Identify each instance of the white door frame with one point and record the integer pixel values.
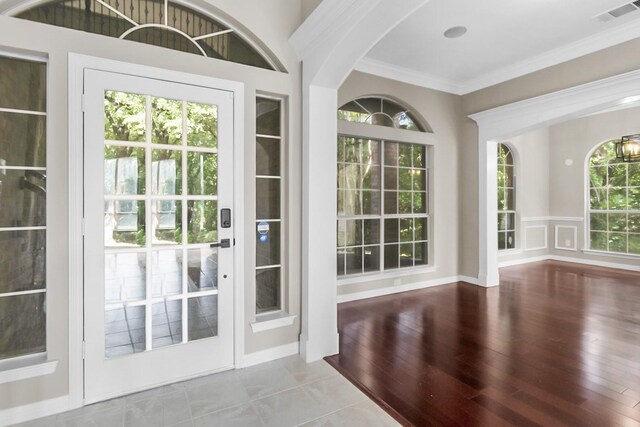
(77, 65)
(510, 120)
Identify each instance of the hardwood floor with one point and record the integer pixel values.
(556, 344)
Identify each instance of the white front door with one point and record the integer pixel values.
(158, 192)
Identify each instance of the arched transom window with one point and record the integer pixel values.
(506, 199)
(614, 202)
(157, 22)
(382, 112)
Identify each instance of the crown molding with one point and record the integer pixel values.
(591, 44)
(407, 75)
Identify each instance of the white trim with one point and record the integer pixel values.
(595, 263)
(552, 218)
(372, 277)
(509, 252)
(546, 237)
(11, 52)
(29, 112)
(585, 46)
(408, 75)
(272, 353)
(575, 238)
(594, 43)
(266, 322)
(32, 411)
(23, 228)
(610, 254)
(468, 279)
(217, 33)
(30, 292)
(29, 371)
(402, 288)
(573, 260)
(523, 261)
(76, 240)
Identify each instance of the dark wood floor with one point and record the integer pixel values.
(556, 344)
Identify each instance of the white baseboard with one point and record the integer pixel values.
(574, 260)
(21, 414)
(595, 263)
(523, 261)
(402, 288)
(271, 354)
(468, 279)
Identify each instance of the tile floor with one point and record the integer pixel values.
(282, 393)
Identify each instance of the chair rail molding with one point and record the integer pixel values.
(523, 116)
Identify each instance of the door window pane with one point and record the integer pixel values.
(202, 125)
(167, 323)
(203, 317)
(180, 189)
(203, 269)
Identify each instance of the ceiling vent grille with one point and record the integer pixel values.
(619, 11)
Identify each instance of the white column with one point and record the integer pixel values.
(329, 42)
(319, 299)
(488, 212)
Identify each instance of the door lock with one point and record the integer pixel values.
(224, 243)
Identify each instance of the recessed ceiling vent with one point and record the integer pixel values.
(619, 11)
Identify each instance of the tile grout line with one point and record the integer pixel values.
(330, 413)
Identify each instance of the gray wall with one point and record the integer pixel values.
(605, 63)
(552, 177)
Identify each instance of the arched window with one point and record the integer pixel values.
(383, 194)
(614, 202)
(157, 22)
(506, 199)
(382, 112)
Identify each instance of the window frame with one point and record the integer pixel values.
(37, 364)
(589, 211)
(345, 279)
(283, 217)
(513, 211)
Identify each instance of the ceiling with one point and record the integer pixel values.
(505, 39)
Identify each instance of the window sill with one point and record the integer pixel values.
(610, 254)
(279, 319)
(369, 277)
(22, 368)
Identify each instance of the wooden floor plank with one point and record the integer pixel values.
(555, 344)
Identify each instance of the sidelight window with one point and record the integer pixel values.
(23, 197)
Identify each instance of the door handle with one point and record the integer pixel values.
(224, 243)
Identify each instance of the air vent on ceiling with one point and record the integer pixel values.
(619, 11)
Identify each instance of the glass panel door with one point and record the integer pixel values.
(164, 151)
